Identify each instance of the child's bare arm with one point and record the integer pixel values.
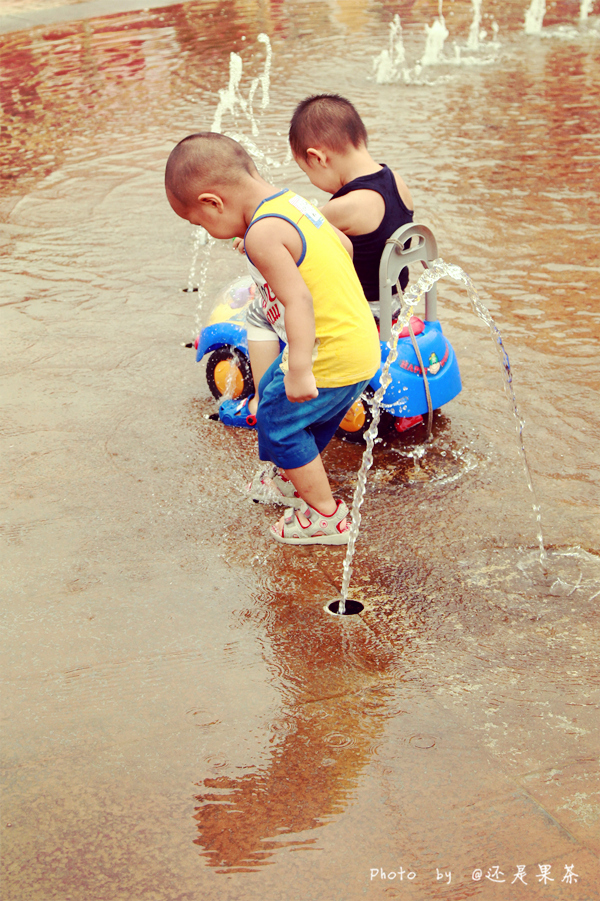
(274, 246)
(356, 213)
(360, 212)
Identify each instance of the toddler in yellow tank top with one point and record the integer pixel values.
(303, 269)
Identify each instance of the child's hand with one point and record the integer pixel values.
(238, 244)
(300, 386)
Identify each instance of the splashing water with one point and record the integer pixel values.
(391, 65)
(231, 377)
(199, 239)
(434, 43)
(391, 62)
(228, 95)
(409, 301)
(228, 99)
(534, 17)
(231, 96)
(265, 78)
(474, 30)
(264, 163)
(204, 240)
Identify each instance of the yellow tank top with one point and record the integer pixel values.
(347, 347)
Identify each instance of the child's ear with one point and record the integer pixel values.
(316, 157)
(211, 200)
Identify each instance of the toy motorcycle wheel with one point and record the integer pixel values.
(358, 418)
(228, 373)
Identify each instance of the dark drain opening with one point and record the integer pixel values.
(351, 608)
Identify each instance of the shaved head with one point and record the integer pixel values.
(203, 161)
(326, 121)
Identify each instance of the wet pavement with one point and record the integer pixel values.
(182, 719)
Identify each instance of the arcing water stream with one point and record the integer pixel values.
(411, 298)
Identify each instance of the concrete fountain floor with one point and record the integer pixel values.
(182, 718)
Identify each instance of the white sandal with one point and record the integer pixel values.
(321, 529)
(271, 487)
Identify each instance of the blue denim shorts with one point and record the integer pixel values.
(291, 435)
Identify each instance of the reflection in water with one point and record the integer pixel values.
(318, 754)
(69, 84)
(337, 691)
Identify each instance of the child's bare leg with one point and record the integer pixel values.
(312, 484)
(262, 354)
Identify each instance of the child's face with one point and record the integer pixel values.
(320, 171)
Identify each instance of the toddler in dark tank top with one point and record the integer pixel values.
(369, 201)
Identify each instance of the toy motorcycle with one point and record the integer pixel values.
(425, 374)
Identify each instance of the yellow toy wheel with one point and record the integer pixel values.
(228, 378)
(228, 373)
(357, 420)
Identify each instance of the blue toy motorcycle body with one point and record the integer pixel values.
(228, 369)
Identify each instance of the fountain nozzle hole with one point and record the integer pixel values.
(351, 608)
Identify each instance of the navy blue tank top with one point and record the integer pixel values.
(368, 248)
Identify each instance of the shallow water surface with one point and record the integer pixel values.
(183, 718)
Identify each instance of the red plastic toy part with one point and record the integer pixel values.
(404, 423)
(418, 326)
